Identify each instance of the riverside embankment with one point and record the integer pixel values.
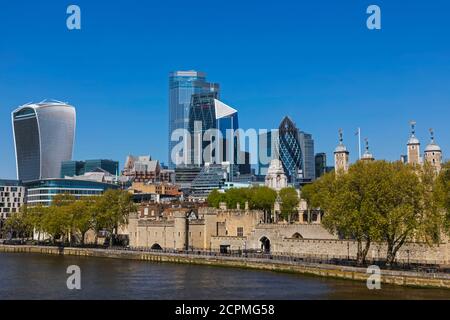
(402, 278)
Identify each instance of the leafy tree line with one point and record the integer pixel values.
(258, 198)
(68, 220)
(381, 201)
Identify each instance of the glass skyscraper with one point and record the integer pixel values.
(78, 168)
(308, 156)
(207, 113)
(268, 149)
(290, 150)
(43, 136)
(182, 85)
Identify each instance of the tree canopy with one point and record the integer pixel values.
(260, 198)
(69, 219)
(379, 201)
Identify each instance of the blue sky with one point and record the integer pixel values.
(312, 60)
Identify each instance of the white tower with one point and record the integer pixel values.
(413, 146)
(341, 155)
(275, 178)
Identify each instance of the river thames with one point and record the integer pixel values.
(34, 276)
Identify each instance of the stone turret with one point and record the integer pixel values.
(367, 156)
(433, 153)
(341, 156)
(181, 230)
(275, 178)
(413, 146)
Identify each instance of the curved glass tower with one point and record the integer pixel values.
(43, 137)
(290, 150)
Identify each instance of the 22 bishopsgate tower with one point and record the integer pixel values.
(182, 85)
(43, 136)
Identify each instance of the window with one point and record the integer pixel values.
(240, 231)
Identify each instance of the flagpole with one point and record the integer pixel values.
(359, 142)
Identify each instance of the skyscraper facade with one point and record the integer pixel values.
(307, 147)
(43, 136)
(78, 168)
(207, 113)
(202, 117)
(182, 85)
(290, 150)
(321, 164)
(268, 149)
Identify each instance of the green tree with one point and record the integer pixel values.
(215, 198)
(83, 213)
(65, 211)
(400, 206)
(379, 201)
(442, 194)
(348, 204)
(19, 224)
(433, 222)
(289, 202)
(112, 211)
(236, 196)
(263, 198)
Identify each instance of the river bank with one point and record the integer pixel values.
(401, 278)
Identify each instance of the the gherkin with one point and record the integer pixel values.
(290, 149)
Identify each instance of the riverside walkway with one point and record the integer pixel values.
(430, 277)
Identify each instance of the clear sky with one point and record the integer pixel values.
(315, 61)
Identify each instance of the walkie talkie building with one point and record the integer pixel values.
(43, 137)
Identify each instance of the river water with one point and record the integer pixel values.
(33, 276)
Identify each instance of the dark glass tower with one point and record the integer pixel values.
(182, 85)
(308, 161)
(202, 117)
(207, 113)
(321, 164)
(290, 150)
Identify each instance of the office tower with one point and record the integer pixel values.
(182, 85)
(321, 164)
(210, 178)
(268, 149)
(207, 113)
(72, 169)
(307, 147)
(184, 175)
(43, 136)
(78, 168)
(42, 192)
(202, 117)
(12, 198)
(290, 150)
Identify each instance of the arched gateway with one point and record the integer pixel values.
(156, 246)
(265, 244)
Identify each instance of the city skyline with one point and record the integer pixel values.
(376, 81)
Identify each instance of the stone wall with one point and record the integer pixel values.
(307, 240)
